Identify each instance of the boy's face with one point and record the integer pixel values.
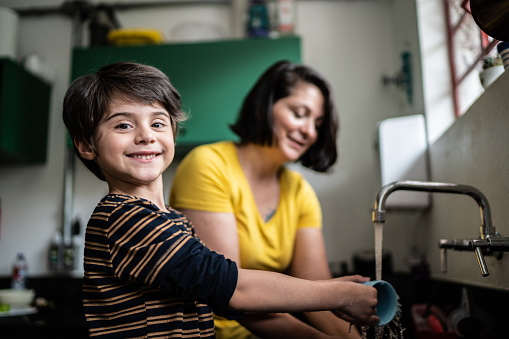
(134, 144)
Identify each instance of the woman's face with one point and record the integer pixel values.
(296, 119)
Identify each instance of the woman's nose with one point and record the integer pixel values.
(309, 128)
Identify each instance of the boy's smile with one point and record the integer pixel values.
(134, 145)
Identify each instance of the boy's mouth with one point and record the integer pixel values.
(144, 156)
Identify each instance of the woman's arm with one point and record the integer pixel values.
(217, 230)
(310, 262)
(281, 325)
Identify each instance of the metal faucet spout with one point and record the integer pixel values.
(486, 229)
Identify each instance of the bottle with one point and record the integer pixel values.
(55, 252)
(69, 262)
(285, 17)
(19, 273)
(258, 19)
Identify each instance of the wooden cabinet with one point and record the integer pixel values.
(24, 113)
(211, 77)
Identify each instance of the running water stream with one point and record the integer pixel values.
(379, 231)
(394, 329)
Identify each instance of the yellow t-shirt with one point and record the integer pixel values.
(211, 179)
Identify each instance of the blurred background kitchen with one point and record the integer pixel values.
(385, 59)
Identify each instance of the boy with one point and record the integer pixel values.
(146, 273)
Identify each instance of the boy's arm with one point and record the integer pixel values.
(263, 291)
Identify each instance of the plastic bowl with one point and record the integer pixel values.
(16, 298)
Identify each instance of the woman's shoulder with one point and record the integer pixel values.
(217, 148)
(291, 174)
(294, 180)
(210, 154)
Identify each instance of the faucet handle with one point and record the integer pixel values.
(482, 263)
(443, 259)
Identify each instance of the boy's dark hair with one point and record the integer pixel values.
(255, 121)
(88, 99)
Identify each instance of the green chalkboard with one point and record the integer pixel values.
(212, 77)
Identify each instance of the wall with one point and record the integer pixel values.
(353, 43)
(473, 151)
(469, 150)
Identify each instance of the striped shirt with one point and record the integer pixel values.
(148, 276)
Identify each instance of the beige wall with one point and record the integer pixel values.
(473, 151)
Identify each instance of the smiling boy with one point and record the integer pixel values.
(146, 272)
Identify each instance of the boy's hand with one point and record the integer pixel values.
(360, 304)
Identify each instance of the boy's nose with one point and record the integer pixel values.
(145, 135)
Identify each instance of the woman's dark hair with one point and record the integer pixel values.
(89, 97)
(255, 121)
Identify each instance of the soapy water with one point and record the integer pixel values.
(392, 330)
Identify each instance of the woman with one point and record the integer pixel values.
(248, 206)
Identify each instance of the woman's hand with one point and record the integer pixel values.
(354, 278)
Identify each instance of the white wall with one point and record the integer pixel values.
(353, 43)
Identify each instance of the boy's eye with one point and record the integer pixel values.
(122, 126)
(158, 124)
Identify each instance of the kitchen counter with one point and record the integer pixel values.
(62, 317)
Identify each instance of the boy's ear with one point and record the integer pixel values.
(85, 150)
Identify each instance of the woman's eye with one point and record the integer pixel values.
(298, 113)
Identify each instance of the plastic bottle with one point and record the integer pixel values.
(258, 19)
(55, 252)
(286, 17)
(69, 254)
(19, 272)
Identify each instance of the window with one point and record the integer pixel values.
(467, 46)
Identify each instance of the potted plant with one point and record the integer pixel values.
(492, 68)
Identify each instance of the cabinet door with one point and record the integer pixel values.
(24, 114)
(212, 77)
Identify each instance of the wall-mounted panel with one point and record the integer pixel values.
(24, 114)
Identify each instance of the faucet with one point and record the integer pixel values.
(489, 241)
